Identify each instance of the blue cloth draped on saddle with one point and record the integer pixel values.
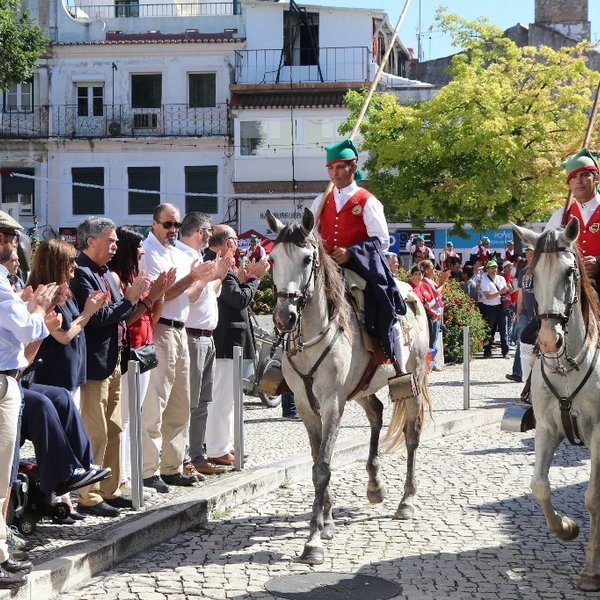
(383, 301)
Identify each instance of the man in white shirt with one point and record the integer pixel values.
(20, 324)
(202, 320)
(166, 408)
(492, 288)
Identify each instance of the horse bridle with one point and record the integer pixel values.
(569, 420)
(295, 342)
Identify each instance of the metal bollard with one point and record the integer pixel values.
(238, 408)
(135, 434)
(466, 368)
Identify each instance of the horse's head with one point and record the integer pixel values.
(295, 258)
(556, 281)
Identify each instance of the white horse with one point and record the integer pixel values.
(565, 378)
(324, 362)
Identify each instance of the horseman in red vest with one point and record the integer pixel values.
(354, 232)
(583, 176)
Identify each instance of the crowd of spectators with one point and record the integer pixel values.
(178, 294)
(495, 282)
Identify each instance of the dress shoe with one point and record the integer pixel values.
(178, 479)
(227, 460)
(76, 516)
(17, 566)
(102, 509)
(189, 470)
(208, 468)
(64, 521)
(157, 483)
(11, 581)
(292, 417)
(512, 377)
(119, 502)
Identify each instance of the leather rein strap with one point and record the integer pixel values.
(569, 420)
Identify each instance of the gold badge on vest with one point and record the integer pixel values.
(357, 209)
(594, 228)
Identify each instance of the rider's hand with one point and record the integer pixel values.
(340, 255)
(591, 266)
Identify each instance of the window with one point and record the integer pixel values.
(90, 101)
(88, 201)
(143, 178)
(19, 97)
(18, 192)
(146, 91)
(202, 90)
(201, 180)
(319, 133)
(127, 8)
(266, 138)
(300, 39)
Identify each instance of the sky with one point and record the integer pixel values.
(504, 13)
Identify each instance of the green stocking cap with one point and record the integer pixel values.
(342, 150)
(584, 160)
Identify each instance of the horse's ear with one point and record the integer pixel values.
(531, 237)
(571, 231)
(308, 221)
(275, 225)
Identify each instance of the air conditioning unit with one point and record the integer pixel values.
(145, 120)
(114, 128)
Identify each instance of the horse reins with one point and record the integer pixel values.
(569, 420)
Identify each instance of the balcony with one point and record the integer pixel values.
(84, 9)
(326, 65)
(119, 120)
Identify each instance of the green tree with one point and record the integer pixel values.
(21, 43)
(487, 147)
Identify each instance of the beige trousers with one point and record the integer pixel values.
(166, 408)
(101, 414)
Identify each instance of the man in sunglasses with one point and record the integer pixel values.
(166, 408)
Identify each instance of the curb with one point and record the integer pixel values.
(144, 530)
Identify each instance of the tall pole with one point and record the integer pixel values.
(368, 98)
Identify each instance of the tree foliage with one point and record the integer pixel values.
(487, 147)
(21, 43)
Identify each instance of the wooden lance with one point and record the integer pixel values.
(586, 141)
(368, 98)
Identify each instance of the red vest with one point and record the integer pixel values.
(346, 227)
(588, 241)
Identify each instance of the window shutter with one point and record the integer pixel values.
(143, 178)
(201, 180)
(88, 201)
(202, 90)
(18, 185)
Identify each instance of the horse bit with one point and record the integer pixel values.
(569, 420)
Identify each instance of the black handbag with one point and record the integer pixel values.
(145, 355)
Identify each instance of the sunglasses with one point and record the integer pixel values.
(170, 224)
(209, 229)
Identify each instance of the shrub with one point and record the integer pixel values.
(263, 301)
(460, 311)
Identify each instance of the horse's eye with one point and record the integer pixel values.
(307, 260)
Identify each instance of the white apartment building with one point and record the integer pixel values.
(143, 102)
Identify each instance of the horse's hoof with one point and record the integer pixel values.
(569, 530)
(376, 495)
(312, 556)
(588, 583)
(327, 531)
(404, 512)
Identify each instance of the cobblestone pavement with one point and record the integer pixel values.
(269, 439)
(478, 535)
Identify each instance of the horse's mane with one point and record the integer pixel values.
(328, 275)
(548, 244)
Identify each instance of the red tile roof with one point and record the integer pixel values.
(287, 100)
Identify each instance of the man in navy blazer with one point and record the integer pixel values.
(106, 334)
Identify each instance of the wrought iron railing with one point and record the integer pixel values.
(303, 65)
(83, 9)
(117, 120)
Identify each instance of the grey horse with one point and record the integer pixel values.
(323, 363)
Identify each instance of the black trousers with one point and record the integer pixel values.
(495, 317)
(51, 421)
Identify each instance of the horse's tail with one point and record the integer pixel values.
(394, 436)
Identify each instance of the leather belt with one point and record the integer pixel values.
(171, 323)
(199, 332)
(14, 373)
